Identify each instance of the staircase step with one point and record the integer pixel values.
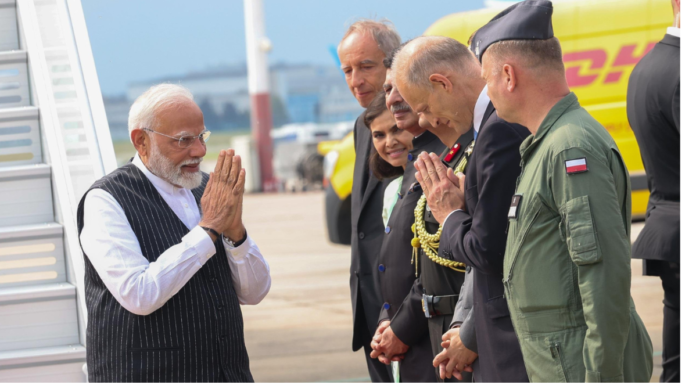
(17, 172)
(36, 293)
(20, 139)
(21, 232)
(14, 56)
(8, 25)
(19, 112)
(49, 364)
(31, 254)
(38, 316)
(14, 79)
(26, 196)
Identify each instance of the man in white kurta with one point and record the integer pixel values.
(168, 261)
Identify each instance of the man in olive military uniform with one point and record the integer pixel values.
(443, 83)
(567, 270)
(409, 327)
(653, 109)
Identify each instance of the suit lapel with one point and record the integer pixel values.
(363, 151)
(486, 115)
(489, 110)
(368, 182)
(372, 183)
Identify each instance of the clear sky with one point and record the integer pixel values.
(134, 40)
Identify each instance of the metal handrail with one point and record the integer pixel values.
(91, 84)
(54, 148)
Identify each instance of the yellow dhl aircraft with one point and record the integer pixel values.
(602, 40)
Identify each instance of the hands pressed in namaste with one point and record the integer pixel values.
(222, 199)
(443, 189)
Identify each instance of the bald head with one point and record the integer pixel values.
(424, 56)
(440, 79)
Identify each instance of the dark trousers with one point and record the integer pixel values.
(437, 326)
(417, 365)
(669, 274)
(379, 372)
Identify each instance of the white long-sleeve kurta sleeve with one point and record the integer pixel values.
(143, 287)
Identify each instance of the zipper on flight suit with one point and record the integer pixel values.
(556, 354)
(507, 282)
(517, 184)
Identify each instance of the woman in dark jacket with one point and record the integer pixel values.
(396, 272)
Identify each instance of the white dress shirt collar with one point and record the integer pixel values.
(675, 31)
(159, 183)
(480, 108)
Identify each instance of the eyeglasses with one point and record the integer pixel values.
(186, 141)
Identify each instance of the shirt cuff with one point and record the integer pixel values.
(383, 316)
(199, 240)
(467, 334)
(240, 252)
(450, 214)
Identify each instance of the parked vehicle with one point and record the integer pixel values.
(297, 163)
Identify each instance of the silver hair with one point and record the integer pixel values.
(433, 55)
(143, 112)
(383, 32)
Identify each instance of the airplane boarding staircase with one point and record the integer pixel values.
(54, 143)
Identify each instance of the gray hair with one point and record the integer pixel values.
(389, 60)
(432, 55)
(143, 112)
(542, 54)
(383, 32)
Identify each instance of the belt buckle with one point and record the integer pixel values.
(427, 302)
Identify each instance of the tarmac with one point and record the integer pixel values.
(302, 330)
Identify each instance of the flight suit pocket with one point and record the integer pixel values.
(544, 360)
(580, 231)
(557, 355)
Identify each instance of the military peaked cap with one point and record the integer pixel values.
(530, 19)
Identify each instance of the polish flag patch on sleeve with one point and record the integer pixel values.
(574, 166)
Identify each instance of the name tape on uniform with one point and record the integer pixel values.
(574, 166)
(512, 213)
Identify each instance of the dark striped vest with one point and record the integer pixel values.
(198, 335)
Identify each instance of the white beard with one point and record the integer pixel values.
(163, 168)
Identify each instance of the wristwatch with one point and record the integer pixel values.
(232, 243)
